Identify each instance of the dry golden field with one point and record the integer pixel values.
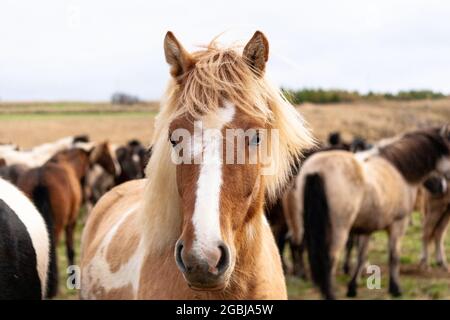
(28, 124)
(31, 124)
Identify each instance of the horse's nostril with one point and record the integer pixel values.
(178, 255)
(224, 261)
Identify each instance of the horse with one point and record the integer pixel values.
(341, 193)
(131, 162)
(335, 142)
(195, 227)
(142, 152)
(283, 215)
(24, 246)
(38, 155)
(56, 188)
(436, 213)
(130, 157)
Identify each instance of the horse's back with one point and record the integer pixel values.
(24, 246)
(387, 193)
(109, 208)
(341, 172)
(109, 239)
(342, 178)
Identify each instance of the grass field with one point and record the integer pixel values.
(31, 124)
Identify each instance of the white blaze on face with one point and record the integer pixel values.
(206, 217)
(444, 184)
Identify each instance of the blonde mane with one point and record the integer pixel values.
(218, 74)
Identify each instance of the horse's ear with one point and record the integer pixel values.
(256, 52)
(95, 152)
(177, 57)
(92, 153)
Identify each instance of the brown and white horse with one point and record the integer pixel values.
(198, 230)
(342, 193)
(56, 189)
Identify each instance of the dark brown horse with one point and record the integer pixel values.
(57, 191)
(132, 159)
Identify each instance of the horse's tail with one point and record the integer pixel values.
(318, 233)
(41, 199)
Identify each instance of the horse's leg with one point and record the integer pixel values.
(298, 261)
(363, 244)
(429, 224)
(396, 231)
(281, 243)
(348, 252)
(339, 239)
(70, 228)
(424, 257)
(279, 230)
(439, 236)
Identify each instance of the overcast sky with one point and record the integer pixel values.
(87, 49)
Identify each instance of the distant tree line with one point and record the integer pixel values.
(336, 96)
(124, 98)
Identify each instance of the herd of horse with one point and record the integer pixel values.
(62, 176)
(213, 229)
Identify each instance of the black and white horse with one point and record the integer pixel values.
(24, 246)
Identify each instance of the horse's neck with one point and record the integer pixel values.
(78, 167)
(379, 175)
(250, 259)
(414, 159)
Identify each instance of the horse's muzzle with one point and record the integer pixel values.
(203, 271)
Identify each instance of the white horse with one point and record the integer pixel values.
(38, 155)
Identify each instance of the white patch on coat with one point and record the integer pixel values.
(206, 217)
(36, 156)
(444, 184)
(443, 165)
(35, 224)
(98, 270)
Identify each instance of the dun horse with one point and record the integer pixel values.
(436, 210)
(57, 191)
(341, 193)
(198, 230)
(24, 246)
(284, 214)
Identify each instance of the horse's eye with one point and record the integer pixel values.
(255, 140)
